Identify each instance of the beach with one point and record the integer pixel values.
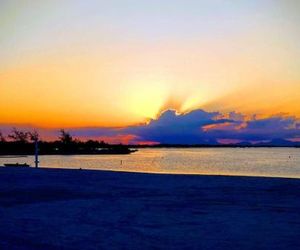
(92, 209)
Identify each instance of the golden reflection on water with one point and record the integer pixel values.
(276, 162)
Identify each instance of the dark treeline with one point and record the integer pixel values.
(22, 143)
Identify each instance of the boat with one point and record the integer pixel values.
(22, 165)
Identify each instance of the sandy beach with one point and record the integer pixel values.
(85, 209)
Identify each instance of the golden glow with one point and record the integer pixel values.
(105, 73)
(70, 90)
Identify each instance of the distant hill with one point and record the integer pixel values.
(272, 143)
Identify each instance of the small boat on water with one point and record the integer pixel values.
(22, 165)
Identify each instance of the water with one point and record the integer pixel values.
(275, 162)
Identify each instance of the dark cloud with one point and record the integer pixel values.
(199, 127)
(177, 129)
(196, 127)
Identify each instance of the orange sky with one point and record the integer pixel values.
(72, 66)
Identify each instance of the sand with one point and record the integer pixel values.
(84, 209)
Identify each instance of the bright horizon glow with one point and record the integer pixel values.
(118, 63)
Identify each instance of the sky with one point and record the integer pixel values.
(120, 64)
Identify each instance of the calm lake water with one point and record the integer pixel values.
(277, 162)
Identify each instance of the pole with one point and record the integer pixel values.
(36, 153)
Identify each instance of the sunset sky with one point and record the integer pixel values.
(120, 63)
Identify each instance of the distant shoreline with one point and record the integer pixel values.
(132, 147)
(210, 146)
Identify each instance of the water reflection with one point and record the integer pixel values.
(283, 162)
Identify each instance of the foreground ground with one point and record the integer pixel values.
(80, 209)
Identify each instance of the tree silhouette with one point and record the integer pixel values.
(19, 136)
(2, 138)
(29, 142)
(65, 137)
(34, 136)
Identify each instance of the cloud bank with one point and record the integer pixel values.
(197, 127)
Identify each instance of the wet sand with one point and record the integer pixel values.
(84, 209)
